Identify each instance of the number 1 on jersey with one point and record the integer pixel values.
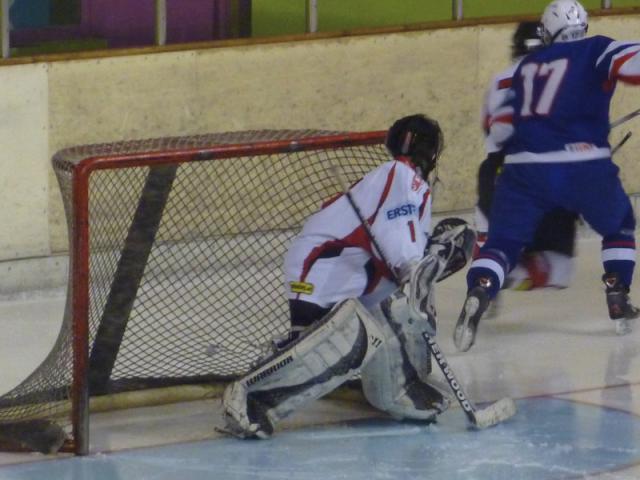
(554, 73)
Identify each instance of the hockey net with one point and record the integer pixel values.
(175, 265)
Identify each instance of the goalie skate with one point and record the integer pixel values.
(244, 417)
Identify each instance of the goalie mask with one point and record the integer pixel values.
(419, 138)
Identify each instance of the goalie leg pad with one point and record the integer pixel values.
(420, 400)
(421, 292)
(403, 332)
(327, 355)
(397, 380)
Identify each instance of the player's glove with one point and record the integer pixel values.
(452, 241)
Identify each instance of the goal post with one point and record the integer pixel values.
(175, 273)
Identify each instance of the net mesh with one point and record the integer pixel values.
(203, 302)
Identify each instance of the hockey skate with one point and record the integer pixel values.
(475, 305)
(621, 310)
(244, 417)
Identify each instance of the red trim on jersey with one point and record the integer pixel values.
(406, 160)
(504, 83)
(617, 65)
(504, 118)
(486, 123)
(423, 205)
(384, 195)
(330, 200)
(380, 267)
(335, 197)
(412, 231)
(609, 85)
(317, 252)
(357, 238)
(631, 244)
(630, 79)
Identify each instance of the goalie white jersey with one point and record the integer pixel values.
(333, 258)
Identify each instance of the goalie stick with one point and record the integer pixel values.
(494, 413)
(497, 412)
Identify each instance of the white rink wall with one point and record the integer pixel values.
(353, 83)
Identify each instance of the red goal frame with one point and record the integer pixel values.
(79, 242)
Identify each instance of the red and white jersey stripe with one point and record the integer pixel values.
(333, 258)
(495, 99)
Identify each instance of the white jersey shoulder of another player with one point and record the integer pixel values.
(621, 60)
(495, 97)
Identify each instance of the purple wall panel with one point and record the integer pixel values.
(189, 20)
(127, 23)
(221, 19)
(122, 22)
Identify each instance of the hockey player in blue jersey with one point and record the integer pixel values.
(554, 129)
(547, 261)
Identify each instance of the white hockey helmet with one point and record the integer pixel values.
(563, 21)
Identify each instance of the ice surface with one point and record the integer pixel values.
(555, 351)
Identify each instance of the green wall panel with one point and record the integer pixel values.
(496, 8)
(348, 14)
(282, 17)
(278, 17)
(626, 3)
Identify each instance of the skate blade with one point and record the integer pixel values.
(463, 338)
(464, 334)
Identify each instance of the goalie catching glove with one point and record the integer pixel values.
(452, 241)
(448, 251)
